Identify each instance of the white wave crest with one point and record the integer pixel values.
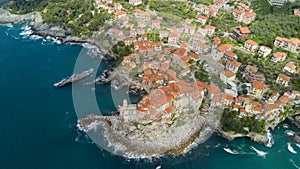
(294, 164)
(259, 152)
(270, 138)
(89, 46)
(26, 31)
(35, 37)
(9, 25)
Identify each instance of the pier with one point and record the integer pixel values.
(74, 78)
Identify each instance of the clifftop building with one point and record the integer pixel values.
(277, 2)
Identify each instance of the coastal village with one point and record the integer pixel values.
(166, 57)
(200, 66)
(204, 67)
(198, 77)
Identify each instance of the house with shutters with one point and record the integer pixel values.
(283, 80)
(290, 67)
(279, 57)
(251, 45)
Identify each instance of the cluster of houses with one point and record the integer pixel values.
(161, 62)
(177, 96)
(292, 44)
(267, 110)
(209, 11)
(116, 8)
(168, 93)
(254, 104)
(256, 81)
(251, 46)
(244, 13)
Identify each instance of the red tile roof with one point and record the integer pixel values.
(224, 47)
(284, 77)
(216, 40)
(138, 11)
(234, 63)
(238, 11)
(270, 107)
(279, 54)
(250, 14)
(258, 85)
(209, 27)
(229, 73)
(251, 42)
(120, 13)
(230, 53)
(245, 30)
(291, 65)
(202, 17)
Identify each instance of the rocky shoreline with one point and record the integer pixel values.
(260, 138)
(44, 30)
(134, 146)
(136, 141)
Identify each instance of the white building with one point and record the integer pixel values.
(135, 2)
(264, 51)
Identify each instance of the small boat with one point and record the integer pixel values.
(291, 149)
(285, 126)
(158, 167)
(290, 133)
(230, 151)
(260, 153)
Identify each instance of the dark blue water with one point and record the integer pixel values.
(38, 121)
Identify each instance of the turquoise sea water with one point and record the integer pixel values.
(38, 121)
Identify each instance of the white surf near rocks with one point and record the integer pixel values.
(259, 152)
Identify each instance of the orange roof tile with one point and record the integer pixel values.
(245, 30)
(258, 85)
(209, 27)
(216, 40)
(224, 47)
(229, 97)
(251, 42)
(279, 54)
(291, 65)
(229, 73)
(238, 11)
(170, 109)
(230, 53)
(250, 14)
(194, 56)
(295, 41)
(234, 63)
(138, 11)
(284, 77)
(270, 107)
(202, 17)
(120, 13)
